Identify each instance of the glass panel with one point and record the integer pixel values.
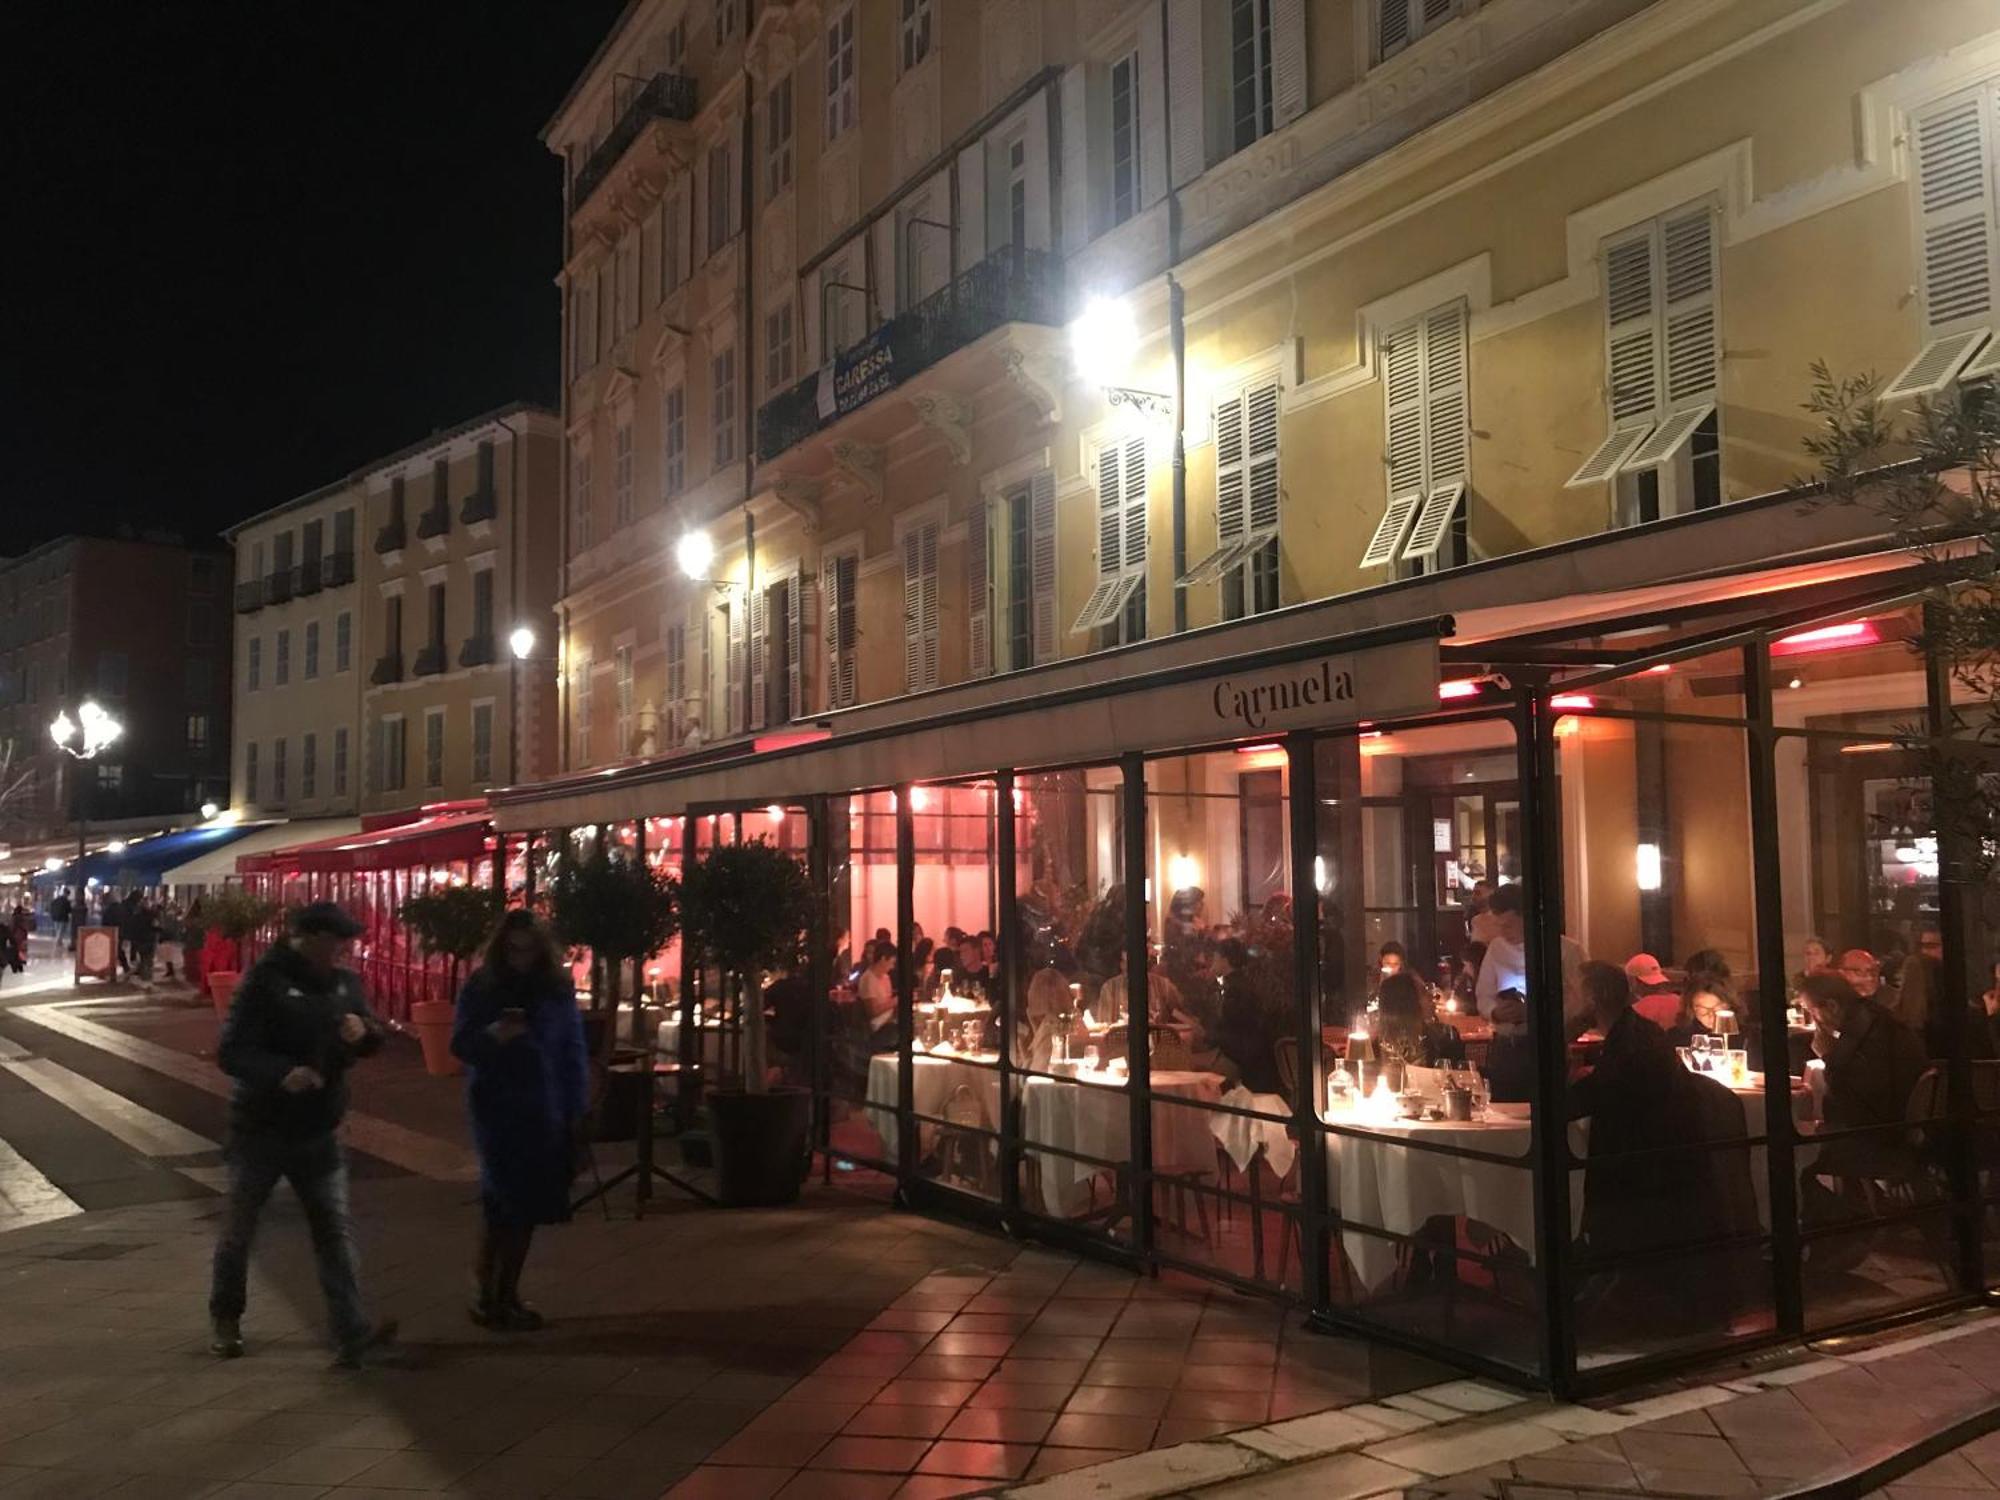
(1857, 676)
(1427, 1120)
(1707, 687)
(1069, 1042)
(861, 1020)
(1224, 1006)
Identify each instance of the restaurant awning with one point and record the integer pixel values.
(217, 865)
(146, 861)
(431, 838)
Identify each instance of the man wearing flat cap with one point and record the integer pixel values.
(297, 1023)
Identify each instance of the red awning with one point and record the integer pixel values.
(434, 838)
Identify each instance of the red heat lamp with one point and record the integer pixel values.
(1827, 638)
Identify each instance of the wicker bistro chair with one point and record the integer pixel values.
(963, 1158)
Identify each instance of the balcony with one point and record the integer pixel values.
(339, 569)
(388, 668)
(1009, 287)
(477, 651)
(249, 596)
(434, 522)
(278, 587)
(307, 577)
(392, 537)
(430, 661)
(481, 505)
(665, 96)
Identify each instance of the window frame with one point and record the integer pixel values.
(842, 95)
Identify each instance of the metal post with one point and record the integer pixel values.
(819, 971)
(906, 999)
(1768, 897)
(1138, 1002)
(1311, 1086)
(1012, 950)
(692, 1061)
(1177, 337)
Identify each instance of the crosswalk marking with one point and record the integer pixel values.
(26, 1196)
(113, 1113)
(10, 1051)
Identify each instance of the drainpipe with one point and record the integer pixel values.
(1177, 338)
(746, 386)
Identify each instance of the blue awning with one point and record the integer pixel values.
(142, 861)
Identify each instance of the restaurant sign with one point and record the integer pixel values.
(1253, 703)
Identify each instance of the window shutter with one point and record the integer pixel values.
(1433, 521)
(928, 615)
(801, 610)
(1229, 469)
(1075, 197)
(1954, 149)
(1392, 30)
(979, 589)
(1631, 304)
(1110, 516)
(733, 713)
(971, 206)
(834, 697)
(1447, 439)
(913, 605)
(1288, 60)
(1688, 252)
(1134, 502)
(1042, 563)
(760, 651)
(1186, 115)
(1260, 423)
(1152, 108)
(1403, 403)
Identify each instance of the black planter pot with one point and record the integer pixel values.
(762, 1147)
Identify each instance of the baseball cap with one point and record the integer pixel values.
(1643, 968)
(324, 917)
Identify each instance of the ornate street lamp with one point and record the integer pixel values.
(82, 738)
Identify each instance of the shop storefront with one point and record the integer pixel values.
(1712, 776)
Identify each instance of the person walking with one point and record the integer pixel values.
(297, 1023)
(518, 1032)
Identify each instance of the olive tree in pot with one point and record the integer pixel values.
(237, 915)
(747, 908)
(453, 920)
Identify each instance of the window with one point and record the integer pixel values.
(314, 547)
(673, 269)
(395, 753)
(1014, 203)
(725, 20)
(1011, 562)
(253, 670)
(110, 778)
(778, 137)
(340, 761)
(198, 679)
(199, 727)
(841, 97)
(581, 692)
(923, 249)
(482, 605)
(250, 771)
(673, 646)
(392, 627)
(201, 624)
(1246, 504)
(435, 600)
(621, 473)
(1249, 71)
(583, 324)
(343, 641)
(114, 670)
(579, 502)
(625, 285)
(1401, 22)
(433, 747)
(722, 370)
(621, 700)
(441, 487)
(1118, 602)
(1662, 361)
(484, 464)
(202, 573)
(916, 32)
(482, 744)
(779, 371)
(843, 301)
(1957, 242)
(309, 766)
(722, 205)
(1124, 137)
(281, 660)
(676, 47)
(279, 790)
(312, 650)
(1425, 406)
(673, 430)
(343, 540)
(920, 607)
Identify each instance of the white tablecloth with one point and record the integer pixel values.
(1092, 1117)
(668, 1042)
(1241, 1136)
(937, 1079)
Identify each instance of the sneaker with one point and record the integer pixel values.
(486, 1315)
(518, 1317)
(225, 1339)
(356, 1355)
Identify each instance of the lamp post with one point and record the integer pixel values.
(521, 642)
(81, 738)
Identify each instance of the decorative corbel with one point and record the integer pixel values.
(951, 418)
(1038, 379)
(862, 463)
(799, 495)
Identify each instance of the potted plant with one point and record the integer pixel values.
(453, 920)
(236, 914)
(747, 908)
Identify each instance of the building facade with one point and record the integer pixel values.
(140, 626)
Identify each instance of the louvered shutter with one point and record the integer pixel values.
(928, 602)
(1186, 115)
(737, 611)
(913, 605)
(971, 234)
(801, 611)
(1388, 538)
(1447, 437)
(1403, 404)
(1392, 27)
(1110, 516)
(1229, 469)
(1042, 563)
(1954, 150)
(834, 697)
(1688, 253)
(1074, 153)
(760, 651)
(1152, 108)
(1288, 60)
(1133, 502)
(1631, 307)
(979, 590)
(1260, 427)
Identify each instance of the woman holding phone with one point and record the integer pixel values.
(519, 1035)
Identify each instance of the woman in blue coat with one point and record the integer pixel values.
(518, 1032)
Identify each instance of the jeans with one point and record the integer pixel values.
(317, 1171)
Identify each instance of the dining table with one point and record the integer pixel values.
(937, 1076)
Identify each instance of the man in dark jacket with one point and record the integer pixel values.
(1873, 1062)
(298, 1021)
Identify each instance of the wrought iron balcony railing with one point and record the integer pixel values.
(339, 569)
(664, 96)
(250, 596)
(435, 521)
(388, 668)
(392, 537)
(430, 661)
(476, 652)
(480, 505)
(306, 577)
(278, 586)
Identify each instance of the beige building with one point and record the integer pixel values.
(462, 535)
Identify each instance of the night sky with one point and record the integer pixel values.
(253, 245)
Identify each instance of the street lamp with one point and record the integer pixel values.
(209, 810)
(521, 642)
(696, 555)
(82, 738)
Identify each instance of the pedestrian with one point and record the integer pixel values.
(518, 1031)
(139, 932)
(298, 1021)
(23, 925)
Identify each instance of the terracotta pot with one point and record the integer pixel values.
(222, 989)
(431, 1020)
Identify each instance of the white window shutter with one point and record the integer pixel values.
(1688, 252)
(1260, 428)
(801, 613)
(1186, 112)
(1403, 407)
(1075, 199)
(1042, 564)
(1288, 61)
(1035, 136)
(1609, 456)
(1631, 309)
(834, 697)
(1447, 430)
(760, 651)
(913, 609)
(1389, 531)
(1434, 521)
(971, 205)
(739, 609)
(1666, 439)
(1229, 468)
(1955, 161)
(928, 616)
(1110, 514)
(1133, 502)
(1152, 108)
(979, 590)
